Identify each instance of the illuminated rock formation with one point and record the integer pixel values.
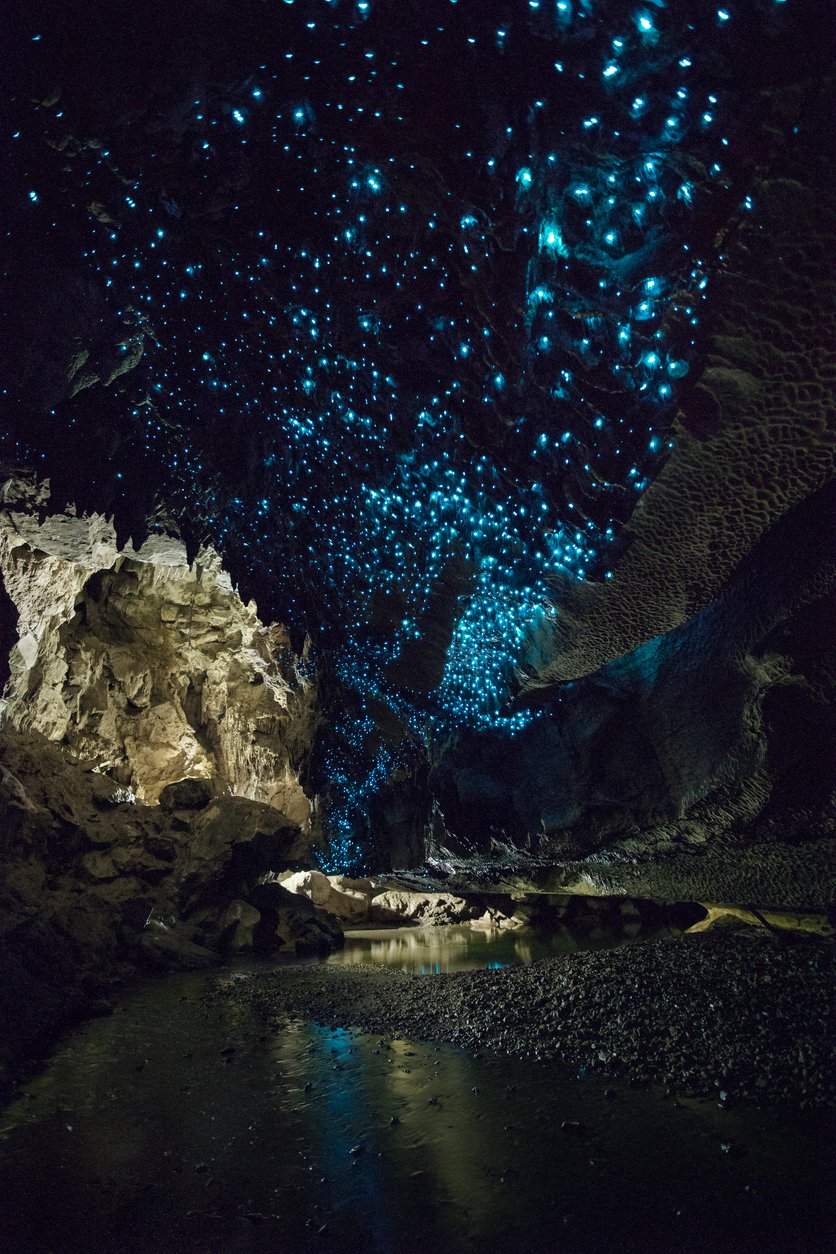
(150, 668)
(379, 901)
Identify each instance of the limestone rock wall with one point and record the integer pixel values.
(149, 667)
(379, 901)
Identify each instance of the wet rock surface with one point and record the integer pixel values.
(740, 1011)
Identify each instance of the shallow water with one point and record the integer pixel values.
(175, 1125)
(433, 950)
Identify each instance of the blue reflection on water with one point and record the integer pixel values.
(360, 1175)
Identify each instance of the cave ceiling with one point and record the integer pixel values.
(396, 303)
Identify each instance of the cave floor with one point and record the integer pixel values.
(182, 1122)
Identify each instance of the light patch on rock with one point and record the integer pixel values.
(358, 901)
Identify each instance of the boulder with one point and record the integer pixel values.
(233, 842)
(272, 896)
(364, 887)
(311, 884)
(292, 923)
(397, 905)
(348, 899)
(238, 922)
(187, 794)
(307, 937)
(495, 918)
(352, 908)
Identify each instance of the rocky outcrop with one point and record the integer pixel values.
(580, 913)
(379, 901)
(155, 734)
(428, 909)
(147, 666)
(95, 884)
(348, 899)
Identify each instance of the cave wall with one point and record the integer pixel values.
(717, 735)
(686, 703)
(154, 744)
(134, 660)
(146, 666)
(754, 436)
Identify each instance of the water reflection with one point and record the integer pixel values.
(174, 1126)
(432, 950)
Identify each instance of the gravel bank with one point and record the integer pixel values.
(736, 1011)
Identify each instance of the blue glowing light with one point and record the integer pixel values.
(374, 325)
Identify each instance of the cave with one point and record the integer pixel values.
(417, 627)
